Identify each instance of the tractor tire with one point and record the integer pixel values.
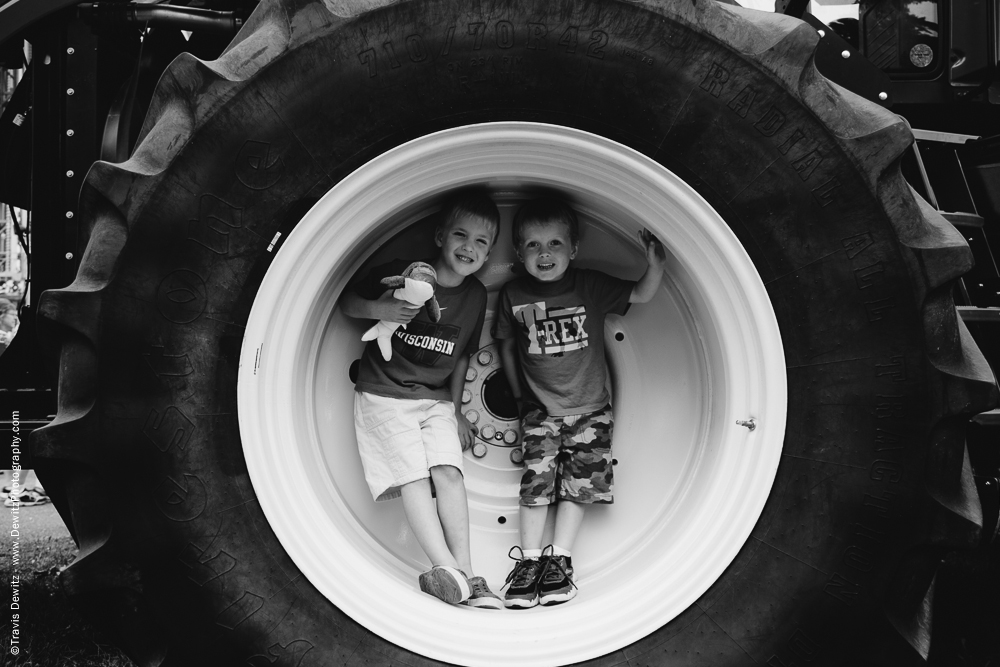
(144, 460)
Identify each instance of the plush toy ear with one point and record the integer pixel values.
(394, 281)
(433, 309)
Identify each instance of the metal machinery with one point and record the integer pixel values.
(88, 72)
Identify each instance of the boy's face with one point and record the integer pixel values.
(546, 250)
(465, 244)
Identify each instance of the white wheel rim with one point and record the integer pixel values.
(677, 530)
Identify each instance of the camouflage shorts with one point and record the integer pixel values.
(567, 458)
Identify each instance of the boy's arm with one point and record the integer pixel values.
(386, 307)
(466, 431)
(656, 260)
(508, 357)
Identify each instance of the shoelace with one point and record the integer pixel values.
(479, 587)
(524, 572)
(553, 561)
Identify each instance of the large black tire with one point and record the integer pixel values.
(874, 484)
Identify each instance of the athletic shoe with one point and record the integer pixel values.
(25, 498)
(482, 596)
(445, 583)
(556, 585)
(523, 579)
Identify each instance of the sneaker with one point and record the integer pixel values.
(445, 583)
(556, 585)
(523, 580)
(25, 498)
(482, 596)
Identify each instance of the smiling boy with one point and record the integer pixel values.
(550, 324)
(407, 410)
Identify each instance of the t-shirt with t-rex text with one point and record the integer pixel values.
(424, 352)
(559, 328)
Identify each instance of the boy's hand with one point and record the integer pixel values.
(466, 431)
(656, 255)
(390, 309)
(656, 261)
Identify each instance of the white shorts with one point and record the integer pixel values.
(400, 440)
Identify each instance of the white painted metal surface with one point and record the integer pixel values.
(690, 483)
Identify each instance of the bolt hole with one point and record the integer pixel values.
(614, 462)
(502, 519)
(352, 372)
(619, 336)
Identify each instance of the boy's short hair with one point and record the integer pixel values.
(473, 203)
(543, 211)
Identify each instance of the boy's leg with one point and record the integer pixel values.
(586, 477)
(569, 516)
(556, 585)
(422, 515)
(445, 580)
(522, 582)
(443, 451)
(539, 445)
(453, 513)
(393, 454)
(532, 519)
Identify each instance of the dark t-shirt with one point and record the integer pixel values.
(424, 353)
(559, 328)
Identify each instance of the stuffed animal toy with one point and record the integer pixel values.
(416, 286)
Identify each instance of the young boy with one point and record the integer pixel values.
(407, 410)
(551, 326)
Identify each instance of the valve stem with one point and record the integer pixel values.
(749, 423)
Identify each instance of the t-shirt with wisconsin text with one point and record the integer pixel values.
(424, 352)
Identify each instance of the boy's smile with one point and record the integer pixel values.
(546, 250)
(465, 245)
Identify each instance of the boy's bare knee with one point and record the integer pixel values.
(446, 474)
(418, 486)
